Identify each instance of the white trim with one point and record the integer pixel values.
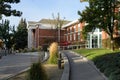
(69, 24)
(46, 36)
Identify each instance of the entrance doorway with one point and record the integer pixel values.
(94, 41)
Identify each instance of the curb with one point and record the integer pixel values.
(17, 73)
(66, 72)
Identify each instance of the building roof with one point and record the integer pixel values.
(31, 22)
(45, 23)
(52, 21)
(71, 23)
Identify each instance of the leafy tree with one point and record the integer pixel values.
(100, 14)
(57, 24)
(21, 35)
(6, 9)
(6, 33)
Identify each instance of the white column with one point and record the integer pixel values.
(98, 40)
(90, 40)
(30, 39)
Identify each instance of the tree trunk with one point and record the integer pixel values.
(112, 43)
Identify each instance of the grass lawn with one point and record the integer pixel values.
(92, 53)
(106, 60)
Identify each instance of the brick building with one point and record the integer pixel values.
(43, 33)
(74, 35)
(94, 39)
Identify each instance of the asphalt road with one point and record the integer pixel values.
(13, 64)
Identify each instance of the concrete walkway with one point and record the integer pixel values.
(13, 64)
(82, 69)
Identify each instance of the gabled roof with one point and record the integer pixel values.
(52, 21)
(46, 23)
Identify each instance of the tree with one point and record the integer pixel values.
(100, 14)
(6, 9)
(6, 34)
(21, 35)
(57, 23)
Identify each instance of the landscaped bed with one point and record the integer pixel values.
(106, 60)
(52, 71)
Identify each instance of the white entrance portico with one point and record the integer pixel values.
(94, 39)
(31, 35)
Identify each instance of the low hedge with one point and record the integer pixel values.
(109, 64)
(115, 75)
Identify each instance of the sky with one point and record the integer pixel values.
(35, 10)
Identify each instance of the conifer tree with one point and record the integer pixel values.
(21, 35)
(6, 34)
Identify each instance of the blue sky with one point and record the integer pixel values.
(35, 10)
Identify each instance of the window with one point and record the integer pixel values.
(67, 37)
(67, 30)
(70, 37)
(78, 25)
(70, 29)
(78, 35)
(78, 29)
(74, 36)
(74, 28)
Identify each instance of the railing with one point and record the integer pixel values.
(71, 47)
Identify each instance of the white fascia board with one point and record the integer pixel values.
(71, 23)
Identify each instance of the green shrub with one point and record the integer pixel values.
(25, 50)
(106, 43)
(33, 49)
(37, 72)
(39, 48)
(115, 75)
(45, 47)
(117, 42)
(110, 70)
(109, 63)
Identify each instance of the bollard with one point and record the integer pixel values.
(60, 56)
(59, 60)
(0, 57)
(59, 63)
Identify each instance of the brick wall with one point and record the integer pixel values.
(47, 36)
(72, 32)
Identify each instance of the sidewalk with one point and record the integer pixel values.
(13, 64)
(82, 69)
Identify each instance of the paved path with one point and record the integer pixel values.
(12, 64)
(81, 69)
